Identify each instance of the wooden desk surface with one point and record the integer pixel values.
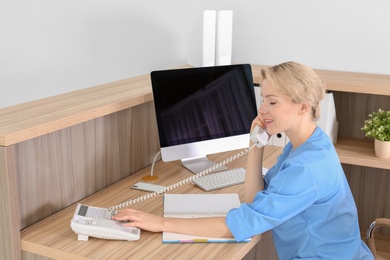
(54, 238)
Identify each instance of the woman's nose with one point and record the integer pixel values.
(262, 109)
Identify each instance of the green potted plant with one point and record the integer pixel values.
(377, 126)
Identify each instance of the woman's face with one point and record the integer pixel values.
(279, 112)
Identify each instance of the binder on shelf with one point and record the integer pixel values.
(224, 35)
(328, 120)
(210, 40)
(257, 90)
(198, 206)
(201, 40)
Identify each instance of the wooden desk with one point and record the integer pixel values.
(59, 150)
(62, 149)
(54, 238)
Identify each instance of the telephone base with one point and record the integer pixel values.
(96, 222)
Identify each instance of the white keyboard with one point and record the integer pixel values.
(218, 180)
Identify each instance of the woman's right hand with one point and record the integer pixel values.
(258, 121)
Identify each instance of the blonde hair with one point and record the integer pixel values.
(299, 82)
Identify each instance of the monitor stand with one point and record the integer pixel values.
(199, 164)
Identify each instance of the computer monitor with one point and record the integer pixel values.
(202, 111)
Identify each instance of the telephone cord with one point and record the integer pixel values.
(184, 181)
(154, 161)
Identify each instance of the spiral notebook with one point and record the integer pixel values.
(197, 206)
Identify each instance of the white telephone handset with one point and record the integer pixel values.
(259, 136)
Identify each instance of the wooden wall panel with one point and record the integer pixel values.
(107, 155)
(9, 205)
(82, 153)
(60, 168)
(353, 108)
(145, 136)
(370, 189)
(368, 184)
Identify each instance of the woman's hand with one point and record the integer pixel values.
(212, 227)
(258, 121)
(134, 218)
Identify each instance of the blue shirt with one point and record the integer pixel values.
(307, 203)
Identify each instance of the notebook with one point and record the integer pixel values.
(197, 206)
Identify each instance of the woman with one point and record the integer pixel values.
(304, 198)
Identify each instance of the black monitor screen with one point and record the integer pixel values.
(198, 104)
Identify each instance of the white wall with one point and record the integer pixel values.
(49, 47)
(348, 35)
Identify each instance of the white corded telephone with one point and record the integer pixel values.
(96, 222)
(259, 136)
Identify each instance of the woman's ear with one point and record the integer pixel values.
(304, 108)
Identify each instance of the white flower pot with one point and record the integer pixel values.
(382, 149)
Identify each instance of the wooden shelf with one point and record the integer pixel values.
(360, 153)
(352, 82)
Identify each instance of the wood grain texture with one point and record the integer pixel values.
(370, 190)
(382, 243)
(9, 205)
(60, 168)
(352, 109)
(351, 82)
(54, 238)
(360, 153)
(22, 122)
(368, 175)
(26, 121)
